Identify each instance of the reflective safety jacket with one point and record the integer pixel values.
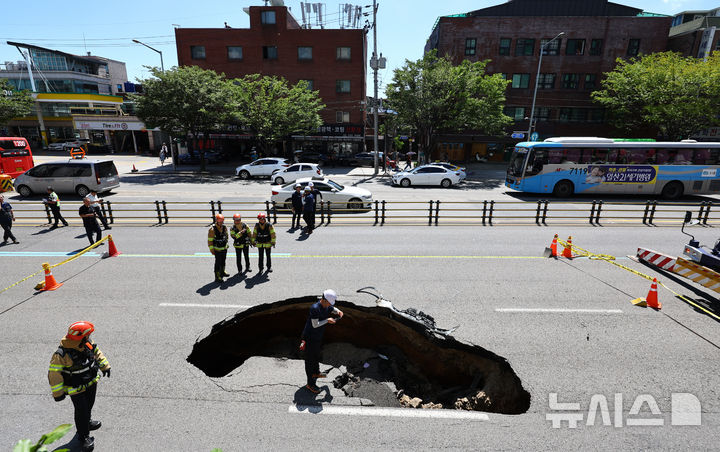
(264, 237)
(218, 238)
(74, 367)
(241, 237)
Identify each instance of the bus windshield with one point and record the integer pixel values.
(517, 162)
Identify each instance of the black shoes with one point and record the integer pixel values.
(269, 270)
(225, 274)
(94, 425)
(312, 388)
(87, 444)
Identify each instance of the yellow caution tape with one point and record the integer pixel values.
(71, 258)
(610, 259)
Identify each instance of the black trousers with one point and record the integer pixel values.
(309, 218)
(99, 214)
(239, 254)
(90, 228)
(83, 404)
(296, 219)
(55, 209)
(265, 251)
(313, 352)
(220, 263)
(7, 234)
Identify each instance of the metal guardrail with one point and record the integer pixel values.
(384, 213)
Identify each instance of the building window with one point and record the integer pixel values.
(304, 53)
(197, 52)
(234, 53)
(550, 49)
(570, 81)
(568, 114)
(596, 115)
(343, 53)
(546, 81)
(524, 47)
(575, 47)
(542, 114)
(470, 46)
(517, 113)
(633, 47)
(342, 86)
(270, 53)
(342, 116)
(596, 47)
(520, 80)
(590, 81)
(505, 46)
(310, 84)
(267, 17)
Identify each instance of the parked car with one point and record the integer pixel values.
(76, 175)
(295, 172)
(261, 168)
(365, 159)
(427, 175)
(311, 157)
(451, 167)
(354, 198)
(57, 146)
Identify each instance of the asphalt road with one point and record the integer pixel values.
(556, 321)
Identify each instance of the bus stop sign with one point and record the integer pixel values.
(518, 135)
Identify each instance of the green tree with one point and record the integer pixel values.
(272, 109)
(432, 95)
(665, 91)
(185, 100)
(13, 103)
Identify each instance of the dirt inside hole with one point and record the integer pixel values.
(389, 356)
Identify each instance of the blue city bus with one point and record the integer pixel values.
(567, 165)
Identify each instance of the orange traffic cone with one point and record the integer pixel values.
(652, 296)
(134, 170)
(567, 251)
(553, 247)
(112, 250)
(50, 283)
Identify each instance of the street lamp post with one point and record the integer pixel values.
(537, 78)
(162, 66)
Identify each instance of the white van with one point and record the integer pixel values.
(74, 176)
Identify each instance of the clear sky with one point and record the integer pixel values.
(107, 28)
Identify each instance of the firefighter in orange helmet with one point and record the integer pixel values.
(218, 244)
(74, 372)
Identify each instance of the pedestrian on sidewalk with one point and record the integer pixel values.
(90, 221)
(297, 206)
(53, 202)
(95, 205)
(218, 244)
(74, 371)
(163, 154)
(242, 239)
(7, 216)
(408, 161)
(264, 240)
(320, 315)
(308, 210)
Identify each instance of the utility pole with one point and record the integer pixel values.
(375, 63)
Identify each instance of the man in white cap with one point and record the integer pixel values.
(297, 206)
(319, 317)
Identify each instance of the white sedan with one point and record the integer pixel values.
(353, 198)
(427, 175)
(295, 172)
(261, 168)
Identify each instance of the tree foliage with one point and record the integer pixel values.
(13, 103)
(272, 109)
(185, 100)
(432, 95)
(677, 95)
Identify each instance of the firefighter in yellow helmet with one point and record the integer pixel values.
(74, 372)
(218, 244)
(264, 240)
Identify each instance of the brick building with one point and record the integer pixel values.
(333, 61)
(510, 35)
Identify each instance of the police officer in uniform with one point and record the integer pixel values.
(264, 239)
(242, 239)
(74, 372)
(297, 206)
(218, 244)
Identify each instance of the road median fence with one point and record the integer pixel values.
(390, 213)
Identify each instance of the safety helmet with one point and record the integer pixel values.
(219, 217)
(80, 330)
(261, 216)
(237, 216)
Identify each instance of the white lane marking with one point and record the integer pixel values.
(387, 412)
(200, 305)
(584, 311)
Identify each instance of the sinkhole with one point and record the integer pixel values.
(391, 357)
